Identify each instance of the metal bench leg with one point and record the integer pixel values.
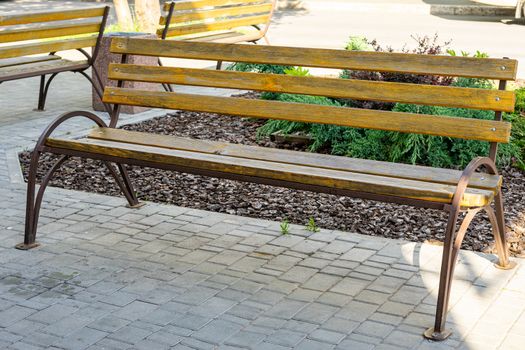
(497, 220)
(44, 88)
(219, 65)
(124, 183)
(438, 332)
(167, 87)
(34, 203)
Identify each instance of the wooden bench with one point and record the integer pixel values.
(31, 40)
(221, 21)
(453, 191)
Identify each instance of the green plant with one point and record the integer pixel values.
(285, 126)
(312, 226)
(478, 54)
(258, 68)
(520, 101)
(285, 227)
(518, 126)
(358, 43)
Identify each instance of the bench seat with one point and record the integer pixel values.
(23, 67)
(366, 176)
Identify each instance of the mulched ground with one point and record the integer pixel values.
(261, 201)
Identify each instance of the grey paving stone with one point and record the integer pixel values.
(326, 336)
(354, 345)
(285, 309)
(134, 310)
(245, 339)
(375, 329)
(285, 337)
(109, 323)
(321, 282)
(130, 334)
(14, 314)
(298, 274)
(316, 313)
(309, 344)
(216, 331)
(81, 339)
(350, 286)
(190, 321)
(165, 337)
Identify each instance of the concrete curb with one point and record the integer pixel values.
(472, 10)
(445, 10)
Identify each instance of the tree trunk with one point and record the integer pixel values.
(125, 21)
(148, 14)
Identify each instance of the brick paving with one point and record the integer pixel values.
(166, 277)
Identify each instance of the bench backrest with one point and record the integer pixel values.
(23, 34)
(486, 130)
(199, 16)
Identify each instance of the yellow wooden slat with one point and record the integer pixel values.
(47, 46)
(487, 68)
(50, 31)
(218, 25)
(48, 16)
(316, 160)
(330, 87)
(198, 4)
(219, 13)
(474, 129)
(279, 171)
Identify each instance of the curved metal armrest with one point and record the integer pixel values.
(464, 180)
(62, 118)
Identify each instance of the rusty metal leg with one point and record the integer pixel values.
(438, 332)
(44, 88)
(41, 93)
(124, 183)
(34, 203)
(497, 220)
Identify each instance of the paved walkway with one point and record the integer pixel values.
(109, 277)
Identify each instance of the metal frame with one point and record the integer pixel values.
(75, 68)
(454, 234)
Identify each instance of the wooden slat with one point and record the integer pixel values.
(225, 37)
(16, 61)
(48, 16)
(278, 171)
(198, 4)
(365, 166)
(218, 25)
(474, 129)
(487, 68)
(47, 46)
(330, 87)
(51, 31)
(37, 68)
(220, 12)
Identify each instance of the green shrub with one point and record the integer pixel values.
(518, 126)
(434, 151)
(520, 101)
(258, 68)
(288, 127)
